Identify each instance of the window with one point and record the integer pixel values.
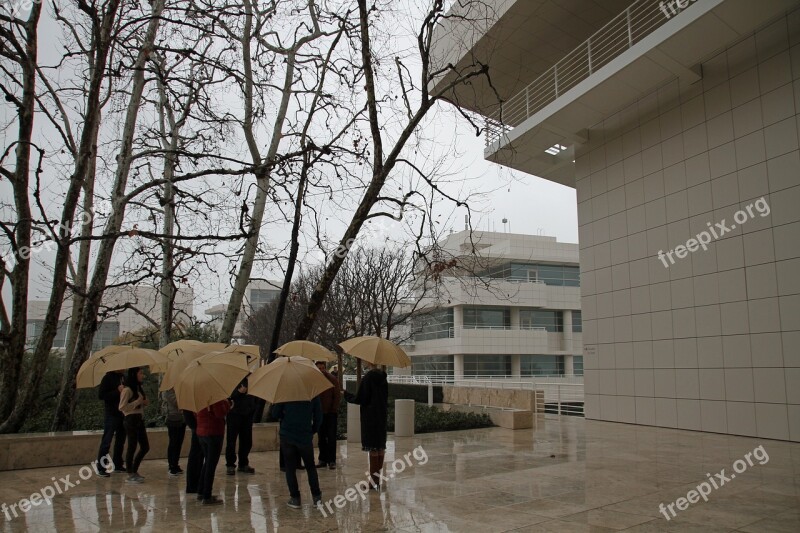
(487, 317)
(432, 365)
(558, 275)
(487, 365)
(261, 297)
(551, 321)
(577, 365)
(434, 325)
(541, 365)
(33, 328)
(577, 322)
(105, 335)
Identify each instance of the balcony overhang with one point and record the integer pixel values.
(540, 116)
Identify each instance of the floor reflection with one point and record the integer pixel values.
(565, 474)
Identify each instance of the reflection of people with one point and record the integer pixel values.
(113, 420)
(240, 424)
(132, 402)
(330, 399)
(299, 421)
(373, 397)
(176, 431)
(211, 432)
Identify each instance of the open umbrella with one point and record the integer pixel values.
(91, 372)
(173, 351)
(251, 352)
(287, 379)
(308, 349)
(209, 379)
(178, 365)
(376, 350)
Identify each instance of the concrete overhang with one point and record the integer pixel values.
(673, 50)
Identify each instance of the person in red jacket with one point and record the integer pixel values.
(210, 432)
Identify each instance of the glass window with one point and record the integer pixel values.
(558, 275)
(33, 328)
(487, 365)
(487, 317)
(105, 335)
(577, 322)
(261, 297)
(434, 325)
(541, 365)
(551, 321)
(432, 365)
(577, 365)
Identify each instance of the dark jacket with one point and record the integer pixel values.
(299, 421)
(170, 406)
(373, 397)
(211, 420)
(331, 398)
(109, 393)
(244, 405)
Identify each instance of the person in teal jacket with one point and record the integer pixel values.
(299, 421)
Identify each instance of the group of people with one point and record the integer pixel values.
(125, 400)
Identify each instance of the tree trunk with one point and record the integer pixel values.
(66, 399)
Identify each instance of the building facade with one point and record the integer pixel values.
(677, 123)
(125, 310)
(511, 309)
(258, 294)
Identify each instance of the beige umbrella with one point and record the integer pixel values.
(288, 379)
(91, 372)
(173, 351)
(179, 365)
(308, 349)
(376, 350)
(209, 379)
(251, 352)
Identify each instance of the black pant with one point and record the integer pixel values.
(134, 427)
(293, 453)
(327, 438)
(176, 432)
(113, 428)
(194, 464)
(212, 449)
(240, 426)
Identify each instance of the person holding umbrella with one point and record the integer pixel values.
(373, 397)
(132, 402)
(113, 420)
(211, 431)
(331, 398)
(240, 425)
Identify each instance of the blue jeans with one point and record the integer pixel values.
(292, 453)
(212, 448)
(113, 428)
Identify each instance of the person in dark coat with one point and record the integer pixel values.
(330, 398)
(211, 432)
(176, 431)
(240, 425)
(113, 420)
(195, 461)
(299, 421)
(373, 397)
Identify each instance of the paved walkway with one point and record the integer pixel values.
(567, 474)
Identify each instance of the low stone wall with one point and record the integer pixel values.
(526, 400)
(504, 417)
(40, 450)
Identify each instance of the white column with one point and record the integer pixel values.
(458, 366)
(458, 319)
(515, 366)
(567, 335)
(569, 367)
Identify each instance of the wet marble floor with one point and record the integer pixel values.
(565, 474)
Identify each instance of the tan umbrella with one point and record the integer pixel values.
(173, 351)
(91, 372)
(251, 352)
(308, 349)
(179, 365)
(288, 379)
(376, 350)
(209, 379)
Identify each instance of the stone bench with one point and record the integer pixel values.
(504, 417)
(39, 450)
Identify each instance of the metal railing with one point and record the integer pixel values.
(620, 34)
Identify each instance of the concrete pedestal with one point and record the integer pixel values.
(353, 422)
(404, 418)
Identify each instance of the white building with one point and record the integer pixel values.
(258, 294)
(125, 310)
(516, 313)
(670, 118)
